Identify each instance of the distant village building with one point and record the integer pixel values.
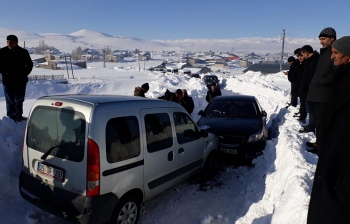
(245, 63)
(50, 57)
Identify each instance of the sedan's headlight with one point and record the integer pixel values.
(256, 137)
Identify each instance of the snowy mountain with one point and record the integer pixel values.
(94, 39)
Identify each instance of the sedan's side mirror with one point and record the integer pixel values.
(201, 113)
(203, 133)
(264, 114)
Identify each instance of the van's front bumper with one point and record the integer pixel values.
(65, 204)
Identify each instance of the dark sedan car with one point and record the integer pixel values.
(239, 122)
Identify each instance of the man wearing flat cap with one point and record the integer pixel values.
(320, 87)
(330, 197)
(15, 66)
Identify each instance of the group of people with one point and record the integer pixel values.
(180, 96)
(322, 82)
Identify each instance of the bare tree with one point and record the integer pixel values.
(77, 53)
(107, 50)
(42, 47)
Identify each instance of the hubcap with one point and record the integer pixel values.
(128, 214)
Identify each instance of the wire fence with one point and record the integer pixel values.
(45, 77)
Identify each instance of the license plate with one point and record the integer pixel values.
(50, 172)
(231, 151)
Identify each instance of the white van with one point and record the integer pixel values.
(94, 159)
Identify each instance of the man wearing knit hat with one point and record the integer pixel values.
(15, 66)
(140, 91)
(321, 85)
(330, 197)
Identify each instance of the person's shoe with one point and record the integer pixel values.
(313, 151)
(305, 130)
(311, 145)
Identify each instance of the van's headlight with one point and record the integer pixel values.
(256, 137)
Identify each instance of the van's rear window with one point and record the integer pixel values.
(60, 128)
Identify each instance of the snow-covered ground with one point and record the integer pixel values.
(275, 190)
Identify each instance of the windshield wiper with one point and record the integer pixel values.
(44, 156)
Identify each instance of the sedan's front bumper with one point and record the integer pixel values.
(248, 150)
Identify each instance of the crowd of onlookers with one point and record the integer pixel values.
(322, 83)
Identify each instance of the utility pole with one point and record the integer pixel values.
(139, 58)
(283, 36)
(104, 58)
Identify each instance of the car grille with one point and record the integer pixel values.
(231, 141)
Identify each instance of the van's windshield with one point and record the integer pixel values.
(63, 129)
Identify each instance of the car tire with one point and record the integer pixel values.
(126, 211)
(208, 168)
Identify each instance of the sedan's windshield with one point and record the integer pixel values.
(227, 108)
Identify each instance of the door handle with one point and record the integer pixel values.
(170, 156)
(181, 150)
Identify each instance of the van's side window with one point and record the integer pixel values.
(158, 132)
(186, 131)
(122, 139)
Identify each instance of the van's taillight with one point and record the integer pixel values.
(58, 104)
(93, 169)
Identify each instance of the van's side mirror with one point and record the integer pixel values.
(203, 133)
(264, 114)
(201, 112)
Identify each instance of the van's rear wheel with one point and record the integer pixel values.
(127, 211)
(208, 169)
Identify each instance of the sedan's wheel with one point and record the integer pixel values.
(127, 211)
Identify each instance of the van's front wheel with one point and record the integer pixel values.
(127, 211)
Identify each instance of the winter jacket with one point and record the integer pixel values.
(211, 94)
(15, 66)
(330, 197)
(187, 103)
(167, 96)
(309, 71)
(139, 92)
(320, 88)
(293, 71)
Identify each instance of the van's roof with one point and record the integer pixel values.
(98, 99)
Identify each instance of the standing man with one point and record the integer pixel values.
(187, 102)
(330, 196)
(311, 58)
(140, 91)
(321, 85)
(292, 78)
(212, 92)
(15, 66)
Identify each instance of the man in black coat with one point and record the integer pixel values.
(311, 58)
(140, 91)
(321, 85)
(330, 197)
(292, 78)
(15, 66)
(187, 102)
(212, 92)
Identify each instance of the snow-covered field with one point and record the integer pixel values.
(275, 190)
